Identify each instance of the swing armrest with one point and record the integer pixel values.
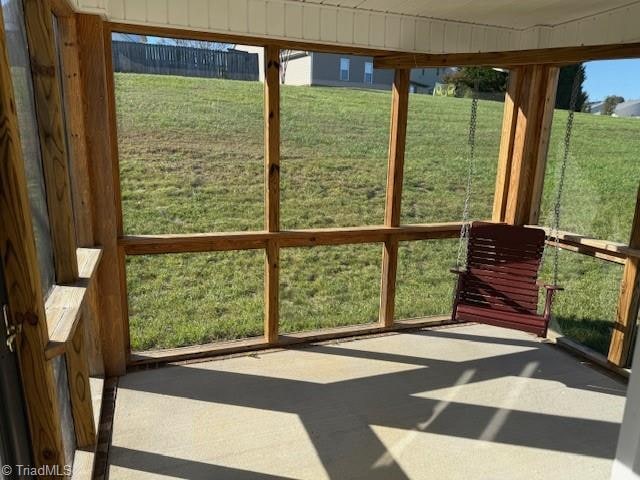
(457, 271)
(548, 287)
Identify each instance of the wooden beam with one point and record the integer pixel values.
(55, 162)
(67, 303)
(555, 56)
(624, 330)
(214, 242)
(617, 249)
(548, 110)
(272, 190)
(21, 275)
(79, 389)
(79, 158)
(512, 101)
(182, 354)
(527, 163)
(98, 124)
(393, 201)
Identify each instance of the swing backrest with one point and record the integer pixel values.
(502, 268)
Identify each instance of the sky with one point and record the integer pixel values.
(613, 77)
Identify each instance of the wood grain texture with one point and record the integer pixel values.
(92, 55)
(272, 292)
(624, 329)
(272, 138)
(50, 116)
(78, 154)
(22, 280)
(80, 390)
(272, 190)
(512, 101)
(211, 242)
(551, 88)
(393, 199)
(67, 303)
(528, 142)
(616, 249)
(185, 354)
(556, 56)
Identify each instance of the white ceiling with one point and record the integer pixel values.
(518, 14)
(423, 26)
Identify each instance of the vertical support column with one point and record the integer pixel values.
(42, 52)
(395, 173)
(105, 188)
(628, 301)
(551, 88)
(272, 189)
(512, 101)
(529, 144)
(79, 159)
(79, 388)
(22, 280)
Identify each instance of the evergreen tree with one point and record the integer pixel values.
(565, 85)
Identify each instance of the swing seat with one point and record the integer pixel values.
(500, 283)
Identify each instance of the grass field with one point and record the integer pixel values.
(191, 160)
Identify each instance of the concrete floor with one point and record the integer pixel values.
(466, 402)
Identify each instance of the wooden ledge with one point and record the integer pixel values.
(207, 242)
(65, 302)
(614, 249)
(232, 347)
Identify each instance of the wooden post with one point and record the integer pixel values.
(105, 188)
(79, 388)
(628, 301)
(42, 52)
(20, 265)
(530, 142)
(512, 101)
(395, 173)
(272, 189)
(79, 158)
(551, 88)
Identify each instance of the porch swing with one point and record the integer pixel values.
(498, 278)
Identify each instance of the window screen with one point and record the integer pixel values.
(344, 69)
(23, 90)
(368, 72)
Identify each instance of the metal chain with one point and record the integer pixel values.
(461, 259)
(555, 228)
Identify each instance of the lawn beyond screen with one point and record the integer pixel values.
(191, 152)
(436, 159)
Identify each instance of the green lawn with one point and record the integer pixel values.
(191, 160)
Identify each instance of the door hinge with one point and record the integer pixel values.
(12, 330)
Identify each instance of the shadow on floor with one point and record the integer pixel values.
(338, 416)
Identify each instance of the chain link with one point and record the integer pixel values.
(461, 259)
(555, 227)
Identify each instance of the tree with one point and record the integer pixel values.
(610, 104)
(565, 87)
(487, 79)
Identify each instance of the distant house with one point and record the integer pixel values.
(341, 70)
(595, 108)
(630, 108)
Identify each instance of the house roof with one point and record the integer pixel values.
(425, 26)
(630, 108)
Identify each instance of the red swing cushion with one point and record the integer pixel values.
(499, 286)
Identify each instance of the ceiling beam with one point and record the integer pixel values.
(557, 56)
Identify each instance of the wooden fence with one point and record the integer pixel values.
(135, 57)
